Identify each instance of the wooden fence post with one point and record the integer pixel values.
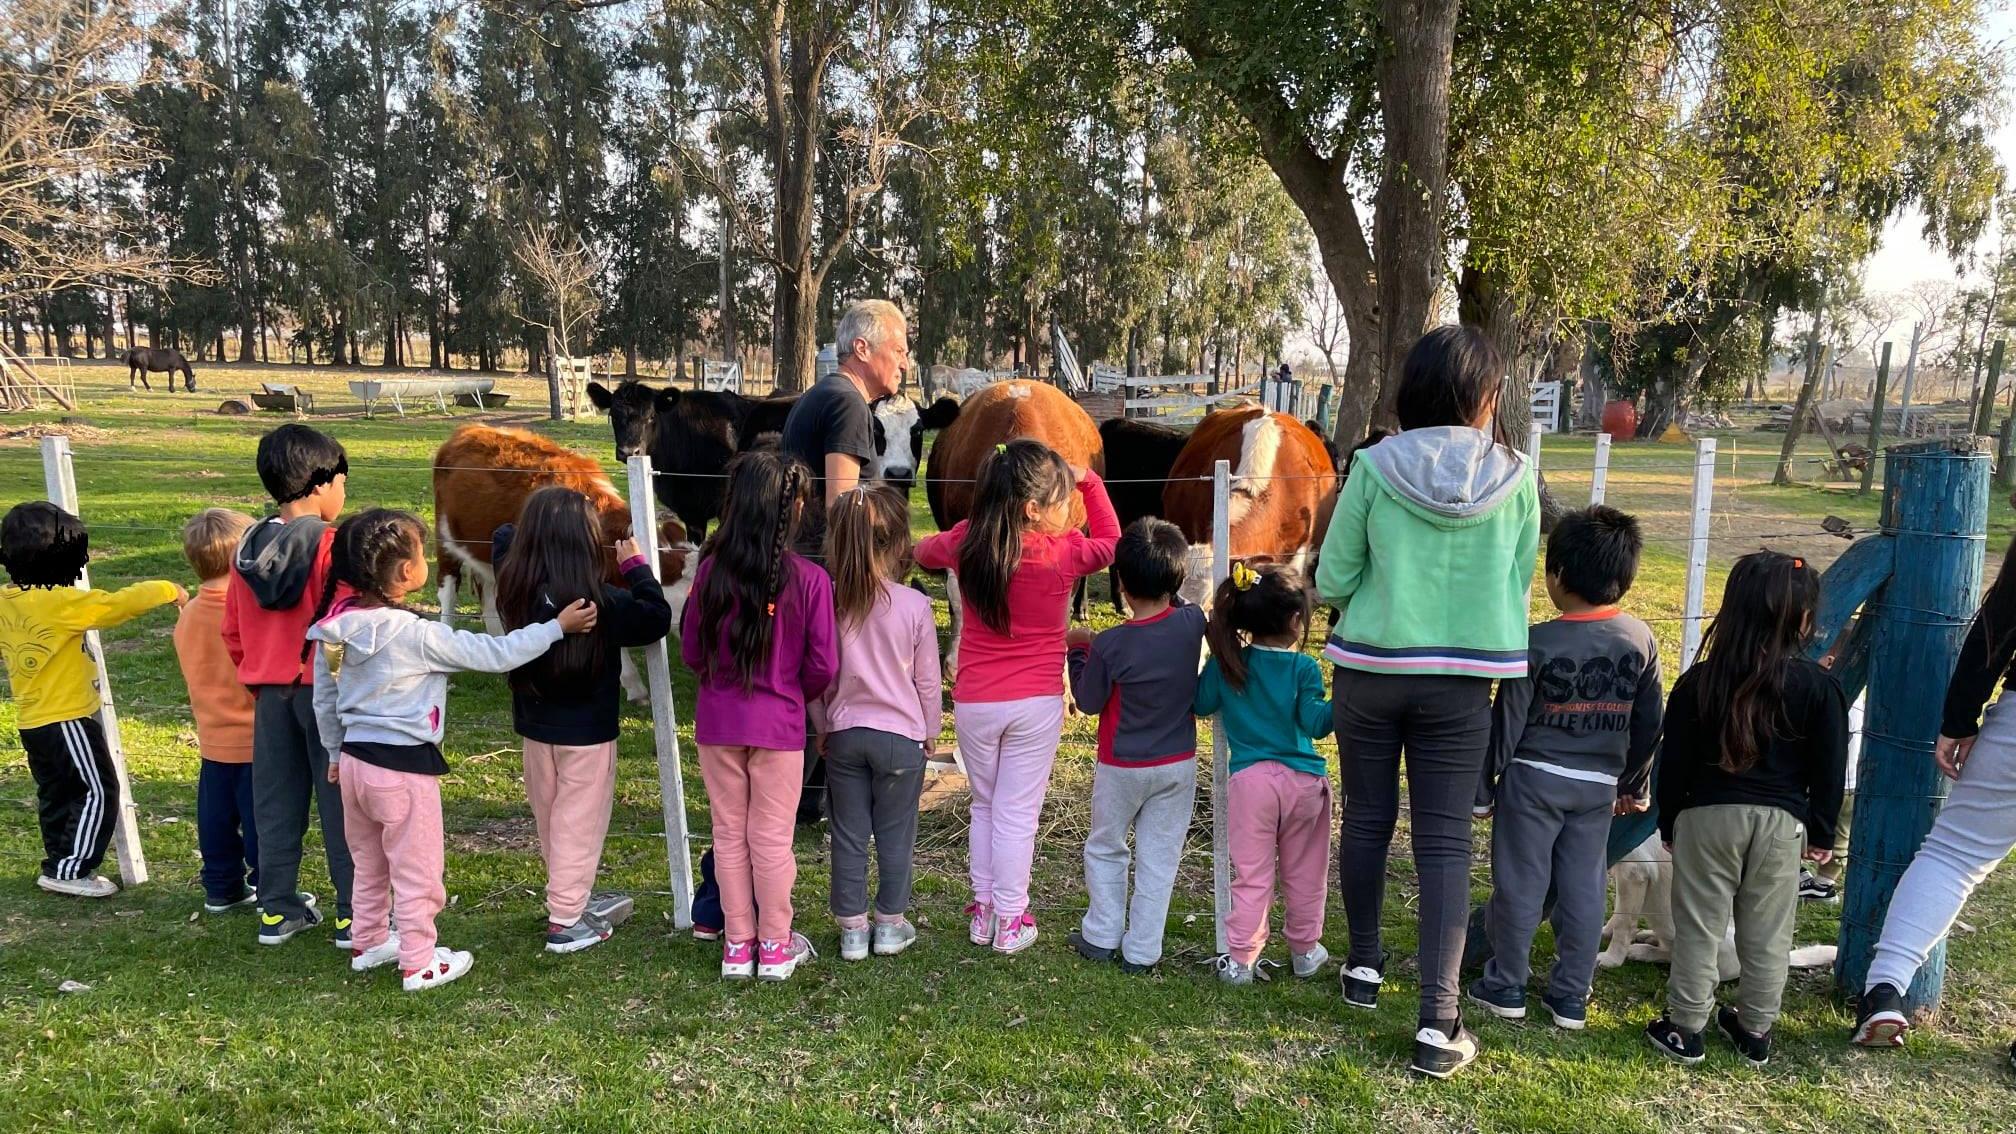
(1917, 584)
(1599, 477)
(1910, 378)
(664, 724)
(1984, 413)
(59, 480)
(1875, 445)
(1697, 551)
(1221, 756)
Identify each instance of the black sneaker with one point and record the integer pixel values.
(278, 929)
(1088, 950)
(1569, 1012)
(225, 903)
(1361, 983)
(1676, 1044)
(1438, 1056)
(1504, 1003)
(1813, 888)
(1879, 1018)
(1755, 1049)
(341, 938)
(1132, 969)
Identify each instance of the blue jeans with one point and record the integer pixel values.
(224, 830)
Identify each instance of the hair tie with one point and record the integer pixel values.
(773, 610)
(1243, 577)
(1001, 447)
(1799, 563)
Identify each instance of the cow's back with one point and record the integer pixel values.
(1289, 483)
(1003, 412)
(483, 474)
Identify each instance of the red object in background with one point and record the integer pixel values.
(1620, 420)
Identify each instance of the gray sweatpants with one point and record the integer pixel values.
(1972, 835)
(1548, 829)
(873, 780)
(289, 765)
(1156, 802)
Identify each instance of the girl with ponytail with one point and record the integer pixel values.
(381, 691)
(1017, 562)
(758, 634)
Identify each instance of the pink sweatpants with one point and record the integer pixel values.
(752, 794)
(392, 821)
(1275, 812)
(571, 790)
(1008, 747)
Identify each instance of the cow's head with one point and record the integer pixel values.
(899, 437)
(633, 410)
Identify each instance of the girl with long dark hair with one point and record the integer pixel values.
(758, 633)
(564, 704)
(1017, 560)
(881, 715)
(1976, 827)
(381, 693)
(1748, 783)
(1429, 560)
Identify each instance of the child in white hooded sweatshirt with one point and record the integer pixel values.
(381, 685)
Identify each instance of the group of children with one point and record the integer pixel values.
(300, 652)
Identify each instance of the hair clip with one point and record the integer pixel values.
(773, 610)
(1243, 577)
(1798, 562)
(1001, 447)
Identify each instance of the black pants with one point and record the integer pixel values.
(1443, 725)
(77, 793)
(873, 780)
(289, 766)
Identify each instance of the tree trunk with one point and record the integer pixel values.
(553, 400)
(1589, 382)
(1414, 76)
(1815, 367)
(339, 340)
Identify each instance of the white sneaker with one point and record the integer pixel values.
(378, 956)
(96, 886)
(1308, 964)
(447, 965)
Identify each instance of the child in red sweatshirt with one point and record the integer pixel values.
(276, 579)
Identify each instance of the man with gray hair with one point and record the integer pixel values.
(832, 426)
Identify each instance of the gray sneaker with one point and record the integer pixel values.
(590, 930)
(853, 944)
(611, 906)
(1308, 964)
(893, 937)
(1232, 972)
(278, 929)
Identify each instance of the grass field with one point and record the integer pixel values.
(187, 1025)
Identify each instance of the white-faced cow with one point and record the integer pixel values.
(482, 476)
(690, 435)
(1284, 486)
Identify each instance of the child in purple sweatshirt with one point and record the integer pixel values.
(758, 634)
(881, 715)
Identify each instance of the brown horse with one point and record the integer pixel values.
(141, 360)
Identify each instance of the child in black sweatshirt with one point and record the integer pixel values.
(1749, 781)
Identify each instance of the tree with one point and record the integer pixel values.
(560, 275)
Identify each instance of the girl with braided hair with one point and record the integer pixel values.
(1018, 559)
(758, 634)
(381, 686)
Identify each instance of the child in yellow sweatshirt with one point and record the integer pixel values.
(43, 620)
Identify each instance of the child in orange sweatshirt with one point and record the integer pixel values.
(222, 707)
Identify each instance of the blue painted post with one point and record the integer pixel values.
(1935, 522)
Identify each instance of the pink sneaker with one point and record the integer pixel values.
(981, 929)
(738, 959)
(777, 960)
(1014, 934)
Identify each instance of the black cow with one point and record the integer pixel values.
(1139, 455)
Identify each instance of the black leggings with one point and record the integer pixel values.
(1444, 726)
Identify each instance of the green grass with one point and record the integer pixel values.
(188, 1025)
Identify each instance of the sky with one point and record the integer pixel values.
(1903, 258)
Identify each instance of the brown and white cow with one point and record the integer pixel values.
(1284, 486)
(482, 476)
(999, 413)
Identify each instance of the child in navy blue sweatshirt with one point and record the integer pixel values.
(1139, 678)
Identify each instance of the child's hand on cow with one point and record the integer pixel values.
(1078, 637)
(1818, 856)
(578, 618)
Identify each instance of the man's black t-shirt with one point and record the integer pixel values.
(831, 417)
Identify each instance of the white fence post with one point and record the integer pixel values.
(1535, 434)
(1221, 756)
(1697, 551)
(59, 480)
(664, 725)
(1599, 479)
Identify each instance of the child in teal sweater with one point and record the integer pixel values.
(1270, 697)
(1429, 559)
